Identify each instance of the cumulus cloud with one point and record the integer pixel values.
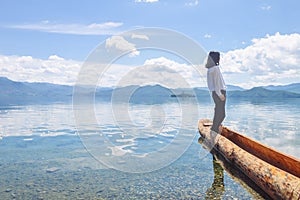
(119, 43)
(52, 70)
(165, 72)
(274, 59)
(159, 70)
(106, 28)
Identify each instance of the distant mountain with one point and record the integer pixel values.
(229, 88)
(294, 87)
(234, 88)
(18, 93)
(151, 94)
(260, 92)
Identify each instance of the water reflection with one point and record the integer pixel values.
(216, 190)
(274, 124)
(25, 155)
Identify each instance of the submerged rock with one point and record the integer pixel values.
(8, 190)
(52, 169)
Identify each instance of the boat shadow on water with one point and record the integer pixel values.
(217, 189)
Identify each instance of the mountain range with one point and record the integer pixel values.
(19, 93)
(294, 87)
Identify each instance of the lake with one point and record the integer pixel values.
(134, 151)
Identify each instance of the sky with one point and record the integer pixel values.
(49, 41)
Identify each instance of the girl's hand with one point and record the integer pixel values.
(222, 97)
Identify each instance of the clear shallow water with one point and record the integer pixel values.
(42, 157)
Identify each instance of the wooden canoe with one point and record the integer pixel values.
(274, 172)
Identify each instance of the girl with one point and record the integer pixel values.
(216, 85)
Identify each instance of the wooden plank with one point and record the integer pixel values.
(276, 182)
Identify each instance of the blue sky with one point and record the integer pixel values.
(65, 32)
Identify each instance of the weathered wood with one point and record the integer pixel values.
(275, 181)
(276, 158)
(236, 174)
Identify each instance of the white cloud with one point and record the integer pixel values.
(145, 1)
(138, 36)
(107, 28)
(274, 59)
(165, 72)
(207, 36)
(58, 70)
(159, 70)
(52, 70)
(192, 3)
(55, 57)
(266, 7)
(121, 44)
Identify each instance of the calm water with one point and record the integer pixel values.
(43, 156)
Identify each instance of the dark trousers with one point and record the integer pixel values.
(219, 115)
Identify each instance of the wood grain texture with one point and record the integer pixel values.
(257, 161)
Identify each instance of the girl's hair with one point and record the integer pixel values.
(213, 59)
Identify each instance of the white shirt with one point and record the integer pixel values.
(215, 81)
